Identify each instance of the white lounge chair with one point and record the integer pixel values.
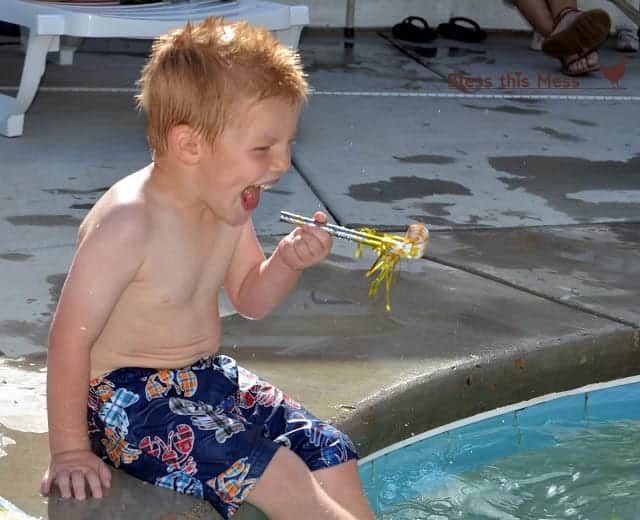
(47, 22)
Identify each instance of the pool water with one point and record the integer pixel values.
(574, 455)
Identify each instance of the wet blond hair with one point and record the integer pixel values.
(195, 76)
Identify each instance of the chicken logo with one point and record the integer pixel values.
(614, 73)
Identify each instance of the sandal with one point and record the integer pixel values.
(454, 31)
(409, 31)
(566, 64)
(589, 30)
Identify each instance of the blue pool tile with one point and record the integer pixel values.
(434, 462)
(614, 404)
(570, 408)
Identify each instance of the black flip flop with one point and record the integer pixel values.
(454, 31)
(409, 31)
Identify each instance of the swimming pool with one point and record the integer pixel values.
(574, 454)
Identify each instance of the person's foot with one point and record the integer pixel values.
(627, 40)
(575, 64)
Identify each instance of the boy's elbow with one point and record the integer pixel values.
(252, 313)
(246, 306)
(63, 341)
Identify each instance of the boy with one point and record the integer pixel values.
(137, 322)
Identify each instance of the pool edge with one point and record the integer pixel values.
(484, 383)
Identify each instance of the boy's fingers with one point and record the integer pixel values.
(317, 245)
(321, 238)
(45, 484)
(105, 474)
(316, 231)
(94, 484)
(62, 480)
(302, 249)
(320, 217)
(77, 480)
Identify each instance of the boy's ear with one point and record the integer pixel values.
(185, 144)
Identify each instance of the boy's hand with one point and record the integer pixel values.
(71, 470)
(305, 245)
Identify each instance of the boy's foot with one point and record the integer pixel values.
(627, 40)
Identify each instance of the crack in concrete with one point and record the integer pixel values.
(533, 292)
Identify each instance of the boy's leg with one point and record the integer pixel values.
(287, 490)
(342, 483)
(314, 473)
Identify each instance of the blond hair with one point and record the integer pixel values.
(196, 74)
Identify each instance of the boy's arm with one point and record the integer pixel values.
(108, 256)
(256, 286)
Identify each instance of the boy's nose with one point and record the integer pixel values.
(282, 161)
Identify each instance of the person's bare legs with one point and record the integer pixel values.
(287, 490)
(342, 483)
(538, 14)
(541, 13)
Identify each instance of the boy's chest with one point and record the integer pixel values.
(181, 267)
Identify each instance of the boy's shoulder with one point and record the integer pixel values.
(121, 210)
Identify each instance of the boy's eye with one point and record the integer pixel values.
(262, 148)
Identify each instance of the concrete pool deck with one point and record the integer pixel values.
(530, 283)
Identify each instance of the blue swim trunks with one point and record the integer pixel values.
(209, 430)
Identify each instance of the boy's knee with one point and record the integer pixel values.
(287, 490)
(286, 473)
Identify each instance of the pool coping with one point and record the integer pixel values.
(433, 400)
(503, 410)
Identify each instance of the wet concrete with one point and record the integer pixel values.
(15, 257)
(562, 136)
(426, 159)
(595, 268)
(509, 176)
(399, 188)
(529, 284)
(372, 63)
(506, 109)
(44, 220)
(614, 185)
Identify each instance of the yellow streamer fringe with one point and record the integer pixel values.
(385, 267)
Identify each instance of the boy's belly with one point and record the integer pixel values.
(173, 339)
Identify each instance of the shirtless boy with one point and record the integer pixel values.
(137, 327)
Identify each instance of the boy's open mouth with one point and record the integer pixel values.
(251, 195)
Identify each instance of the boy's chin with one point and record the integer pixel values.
(238, 219)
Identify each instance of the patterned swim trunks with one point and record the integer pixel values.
(209, 430)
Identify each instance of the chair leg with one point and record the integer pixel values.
(289, 37)
(12, 109)
(68, 47)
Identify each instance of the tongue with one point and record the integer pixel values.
(250, 197)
